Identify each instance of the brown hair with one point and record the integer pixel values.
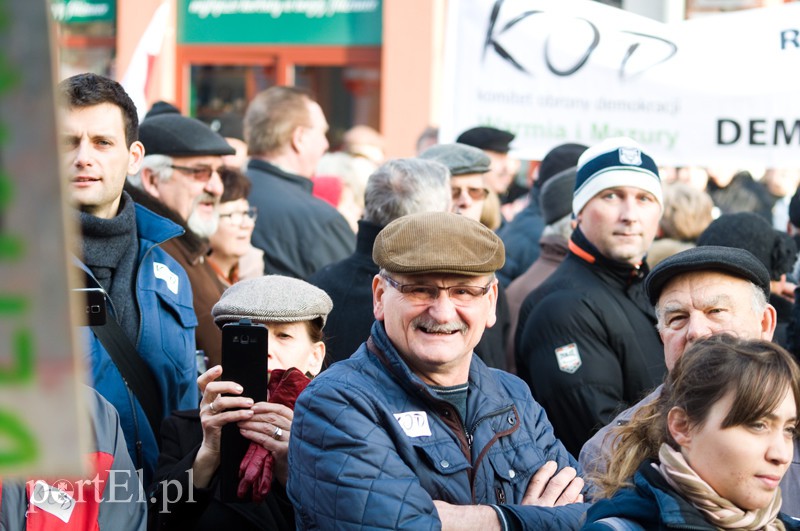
(757, 372)
(687, 212)
(314, 328)
(236, 185)
(272, 117)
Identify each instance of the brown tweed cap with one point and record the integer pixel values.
(438, 242)
(272, 298)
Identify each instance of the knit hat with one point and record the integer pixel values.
(555, 198)
(749, 231)
(614, 162)
(438, 242)
(487, 138)
(736, 262)
(180, 136)
(460, 159)
(559, 159)
(273, 298)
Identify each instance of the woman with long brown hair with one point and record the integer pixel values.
(710, 452)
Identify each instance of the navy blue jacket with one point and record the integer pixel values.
(655, 505)
(372, 447)
(166, 340)
(521, 239)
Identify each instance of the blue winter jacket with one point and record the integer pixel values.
(654, 505)
(372, 447)
(166, 340)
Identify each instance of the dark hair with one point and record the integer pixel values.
(757, 372)
(236, 185)
(88, 90)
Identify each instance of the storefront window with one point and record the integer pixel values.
(86, 36)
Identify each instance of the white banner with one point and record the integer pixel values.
(723, 89)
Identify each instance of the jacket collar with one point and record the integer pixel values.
(622, 272)
(292, 178)
(365, 238)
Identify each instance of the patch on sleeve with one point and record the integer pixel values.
(414, 423)
(569, 359)
(161, 271)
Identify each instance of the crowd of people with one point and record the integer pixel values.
(449, 346)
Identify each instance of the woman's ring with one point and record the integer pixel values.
(277, 433)
(211, 407)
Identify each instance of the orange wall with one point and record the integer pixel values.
(411, 69)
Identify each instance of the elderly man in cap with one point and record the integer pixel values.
(179, 179)
(468, 167)
(414, 431)
(699, 292)
(586, 341)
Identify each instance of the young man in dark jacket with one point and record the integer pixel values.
(414, 431)
(586, 342)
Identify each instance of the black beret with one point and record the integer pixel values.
(161, 107)
(487, 138)
(751, 232)
(460, 159)
(559, 159)
(555, 199)
(180, 136)
(736, 262)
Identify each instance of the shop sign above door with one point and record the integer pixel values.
(311, 22)
(80, 11)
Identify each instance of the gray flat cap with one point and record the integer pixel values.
(272, 298)
(460, 159)
(730, 260)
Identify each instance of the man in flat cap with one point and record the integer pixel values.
(285, 133)
(148, 292)
(468, 166)
(697, 293)
(179, 179)
(586, 341)
(414, 431)
(495, 143)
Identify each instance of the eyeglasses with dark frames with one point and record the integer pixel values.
(427, 293)
(475, 193)
(201, 174)
(237, 218)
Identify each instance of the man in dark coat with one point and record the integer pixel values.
(398, 188)
(285, 133)
(586, 340)
(179, 173)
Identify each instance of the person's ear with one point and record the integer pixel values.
(150, 182)
(297, 138)
(679, 427)
(315, 358)
(378, 292)
(769, 320)
(135, 156)
(491, 319)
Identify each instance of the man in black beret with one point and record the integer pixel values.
(696, 293)
(179, 179)
(414, 426)
(496, 143)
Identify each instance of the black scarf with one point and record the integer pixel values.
(110, 248)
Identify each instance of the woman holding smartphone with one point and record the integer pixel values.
(187, 478)
(710, 452)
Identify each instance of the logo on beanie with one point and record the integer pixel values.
(630, 156)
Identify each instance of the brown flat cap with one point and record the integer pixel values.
(438, 242)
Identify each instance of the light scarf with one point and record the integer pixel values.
(716, 509)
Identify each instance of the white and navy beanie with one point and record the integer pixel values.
(614, 162)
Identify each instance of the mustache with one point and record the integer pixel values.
(432, 326)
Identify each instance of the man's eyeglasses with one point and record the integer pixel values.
(475, 193)
(427, 293)
(237, 218)
(201, 174)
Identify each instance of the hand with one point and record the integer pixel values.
(461, 517)
(548, 489)
(216, 411)
(260, 428)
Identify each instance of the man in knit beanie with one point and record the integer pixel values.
(586, 341)
(148, 293)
